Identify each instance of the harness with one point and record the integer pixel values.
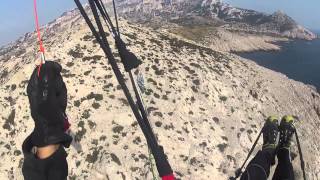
(43, 60)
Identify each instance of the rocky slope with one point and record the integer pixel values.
(227, 41)
(206, 106)
(232, 18)
(231, 29)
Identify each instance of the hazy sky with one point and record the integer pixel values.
(16, 16)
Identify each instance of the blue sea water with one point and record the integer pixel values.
(299, 60)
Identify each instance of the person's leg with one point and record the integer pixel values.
(32, 170)
(58, 165)
(54, 167)
(259, 166)
(284, 170)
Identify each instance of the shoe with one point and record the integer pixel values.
(287, 130)
(270, 133)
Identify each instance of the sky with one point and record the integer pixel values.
(17, 18)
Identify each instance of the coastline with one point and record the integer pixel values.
(250, 43)
(297, 60)
(222, 40)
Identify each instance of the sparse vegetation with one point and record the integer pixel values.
(158, 114)
(91, 124)
(222, 147)
(117, 129)
(76, 53)
(96, 105)
(88, 37)
(97, 97)
(223, 98)
(77, 103)
(69, 64)
(86, 114)
(124, 101)
(92, 158)
(115, 159)
(13, 87)
(87, 73)
(158, 124)
(137, 140)
(4, 73)
(79, 135)
(10, 121)
(89, 58)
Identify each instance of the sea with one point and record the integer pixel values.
(298, 59)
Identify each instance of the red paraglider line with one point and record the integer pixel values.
(41, 49)
(37, 26)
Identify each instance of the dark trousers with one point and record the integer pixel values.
(54, 167)
(259, 167)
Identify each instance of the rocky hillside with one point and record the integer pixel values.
(206, 107)
(217, 12)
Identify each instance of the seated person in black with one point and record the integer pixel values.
(44, 154)
(259, 167)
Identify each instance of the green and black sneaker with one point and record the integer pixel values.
(287, 130)
(270, 133)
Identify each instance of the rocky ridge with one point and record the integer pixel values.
(232, 18)
(206, 107)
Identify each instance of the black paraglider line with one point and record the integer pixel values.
(142, 109)
(142, 119)
(116, 32)
(239, 171)
(105, 46)
(115, 14)
(301, 155)
(107, 18)
(140, 104)
(139, 101)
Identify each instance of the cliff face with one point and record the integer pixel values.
(277, 24)
(206, 107)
